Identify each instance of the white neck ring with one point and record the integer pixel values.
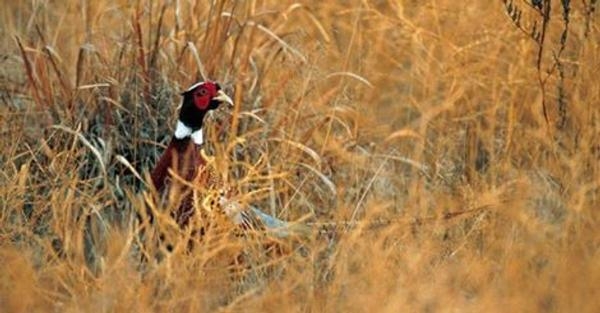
(182, 131)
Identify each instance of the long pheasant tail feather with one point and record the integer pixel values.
(280, 228)
(254, 218)
(344, 226)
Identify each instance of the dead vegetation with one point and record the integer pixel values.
(443, 161)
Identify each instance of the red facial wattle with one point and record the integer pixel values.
(203, 95)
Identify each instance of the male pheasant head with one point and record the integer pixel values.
(197, 101)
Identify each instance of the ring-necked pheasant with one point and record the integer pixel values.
(183, 157)
(183, 160)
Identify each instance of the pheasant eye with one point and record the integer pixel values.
(201, 92)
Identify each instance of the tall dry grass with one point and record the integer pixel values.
(417, 127)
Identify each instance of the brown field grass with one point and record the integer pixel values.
(410, 135)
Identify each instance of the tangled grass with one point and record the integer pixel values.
(412, 136)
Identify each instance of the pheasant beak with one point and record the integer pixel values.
(221, 96)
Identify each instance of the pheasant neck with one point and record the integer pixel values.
(183, 131)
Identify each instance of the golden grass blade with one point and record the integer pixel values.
(310, 152)
(352, 75)
(92, 86)
(323, 178)
(282, 42)
(403, 133)
(86, 143)
(366, 191)
(199, 64)
(121, 159)
(30, 74)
